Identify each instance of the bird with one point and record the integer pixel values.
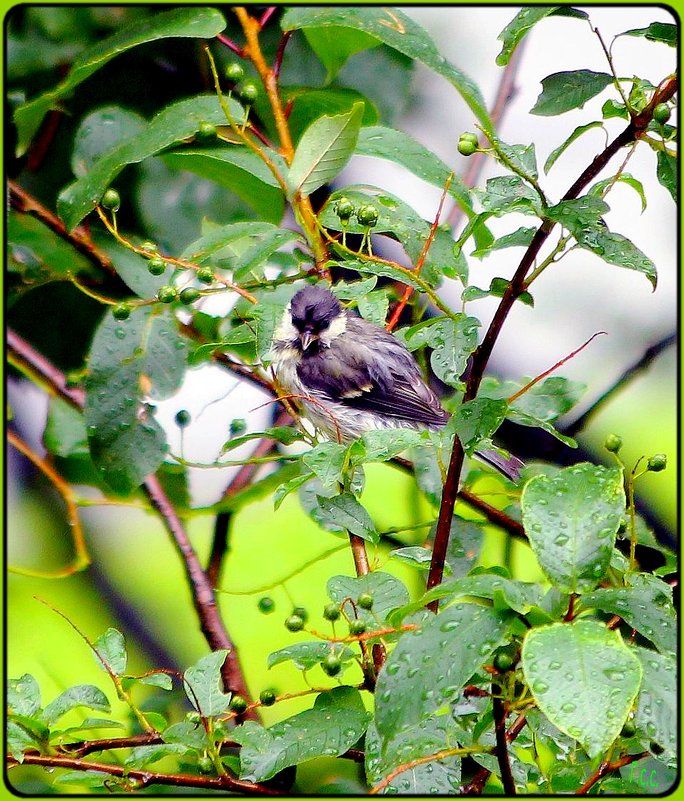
(351, 376)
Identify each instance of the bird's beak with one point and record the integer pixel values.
(306, 339)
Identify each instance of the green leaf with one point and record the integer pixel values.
(65, 432)
(353, 290)
(161, 680)
(664, 32)
(286, 435)
(203, 684)
(400, 148)
(373, 307)
(309, 104)
(583, 678)
(578, 214)
(476, 420)
(129, 361)
(656, 710)
(452, 341)
(497, 289)
(435, 777)
(523, 157)
(306, 655)
(521, 237)
(203, 23)
(557, 152)
(507, 193)
(80, 695)
(612, 108)
(334, 45)
(382, 445)
(25, 733)
(600, 186)
(429, 666)
(144, 755)
(416, 556)
(666, 172)
(323, 150)
(176, 122)
(188, 733)
(571, 521)
(345, 511)
(398, 31)
(237, 169)
(23, 696)
(401, 222)
(564, 91)
(388, 593)
(616, 249)
(111, 648)
(518, 28)
(644, 607)
(326, 460)
(100, 131)
(335, 723)
(546, 400)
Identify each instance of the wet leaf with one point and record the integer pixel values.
(564, 91)
(306, 655)
(203, 684)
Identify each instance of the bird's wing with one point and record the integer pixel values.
(369, 370)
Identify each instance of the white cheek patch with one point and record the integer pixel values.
(337, 326)
(286, 332)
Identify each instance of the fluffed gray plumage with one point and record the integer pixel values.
(351, 376)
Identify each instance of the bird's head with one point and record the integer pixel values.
(316, 316)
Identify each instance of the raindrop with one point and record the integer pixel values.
(568, 707)
(561, 539)
(540, 687)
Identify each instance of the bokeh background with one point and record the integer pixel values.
(136, 582)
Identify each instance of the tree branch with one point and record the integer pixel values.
(499, 713)
(608, 767)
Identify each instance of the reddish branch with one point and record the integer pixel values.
(202, 591)
(481, 356)
(146, 778)
(609, 767)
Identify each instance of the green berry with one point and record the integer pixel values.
(167, 294)
(294, 623)
(367, 215)
(356, 627)
(657, 462)
(503, 661)
(466, 147)
(156, 265)
(249, 92)
(73, 379)
(613, 443)
(267, 697)
(122, 311)
(205, 275)
(365, 600)
(204, 764)
(661, 113)
(239, 426)
(111, 200)
(266, 605)
(467, 136)
(189, 295)
(182, 418)
(344, 208)
(234, 72)
(206, 132)
(331, 664)
(149, 247)
(301, 612)
(238, 704)
(331, 612)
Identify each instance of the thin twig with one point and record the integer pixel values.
(608, 767)
(642, 364)
(146, 778)
(436, 757)
(23, 202)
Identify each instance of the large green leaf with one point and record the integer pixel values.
(237, 169)
(334, 45)
(452, 342)
(170, 126)
(323, 150)
(23, 696)
(656, 713)
(203, 684)
(399, 32)
(80, 695)
(571, 520)
(401, 148)
(664, 32)
(111, 650)
(335, 723)
(345, 511)
(100, 131)
(129, 361)
(476, 420)
(429, 666)
(387, 591)
(583, 678)
(667, 173)
(564, 91)
(511, 36)
(201, 23)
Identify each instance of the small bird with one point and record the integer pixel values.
(351, 376)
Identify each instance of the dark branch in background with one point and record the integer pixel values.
(642, 364)
(202, 591)
(517, 285)
(146, 778)
(21, 201)
(499, 714)
(506, 91)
